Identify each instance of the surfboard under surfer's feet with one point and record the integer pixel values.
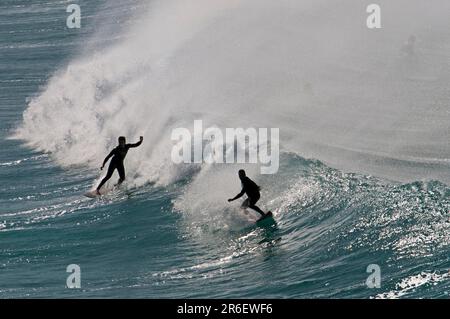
(267, 215)
(97, 193)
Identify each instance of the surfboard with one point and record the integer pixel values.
(268, 215)
(93, 193)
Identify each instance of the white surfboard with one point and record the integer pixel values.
(93, 192)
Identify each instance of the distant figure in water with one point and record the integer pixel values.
(118, 155)
(250, 188)
(308, 89)
(408, 47)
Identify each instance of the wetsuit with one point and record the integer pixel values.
(250, 188)
(118, 155)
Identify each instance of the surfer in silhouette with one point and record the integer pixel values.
(250, 188)
(118, 155)
(409, 47)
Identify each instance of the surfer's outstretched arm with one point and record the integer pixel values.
(237, 196)
(107, 158)
(137, 144)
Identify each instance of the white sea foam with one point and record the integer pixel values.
(324, 80)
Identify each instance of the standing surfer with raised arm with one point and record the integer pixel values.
(118, 155)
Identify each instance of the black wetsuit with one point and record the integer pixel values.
(250, 188)
(118, 155)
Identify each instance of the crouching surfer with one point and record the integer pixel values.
(249, 188)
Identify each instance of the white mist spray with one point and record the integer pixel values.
(335, 89)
